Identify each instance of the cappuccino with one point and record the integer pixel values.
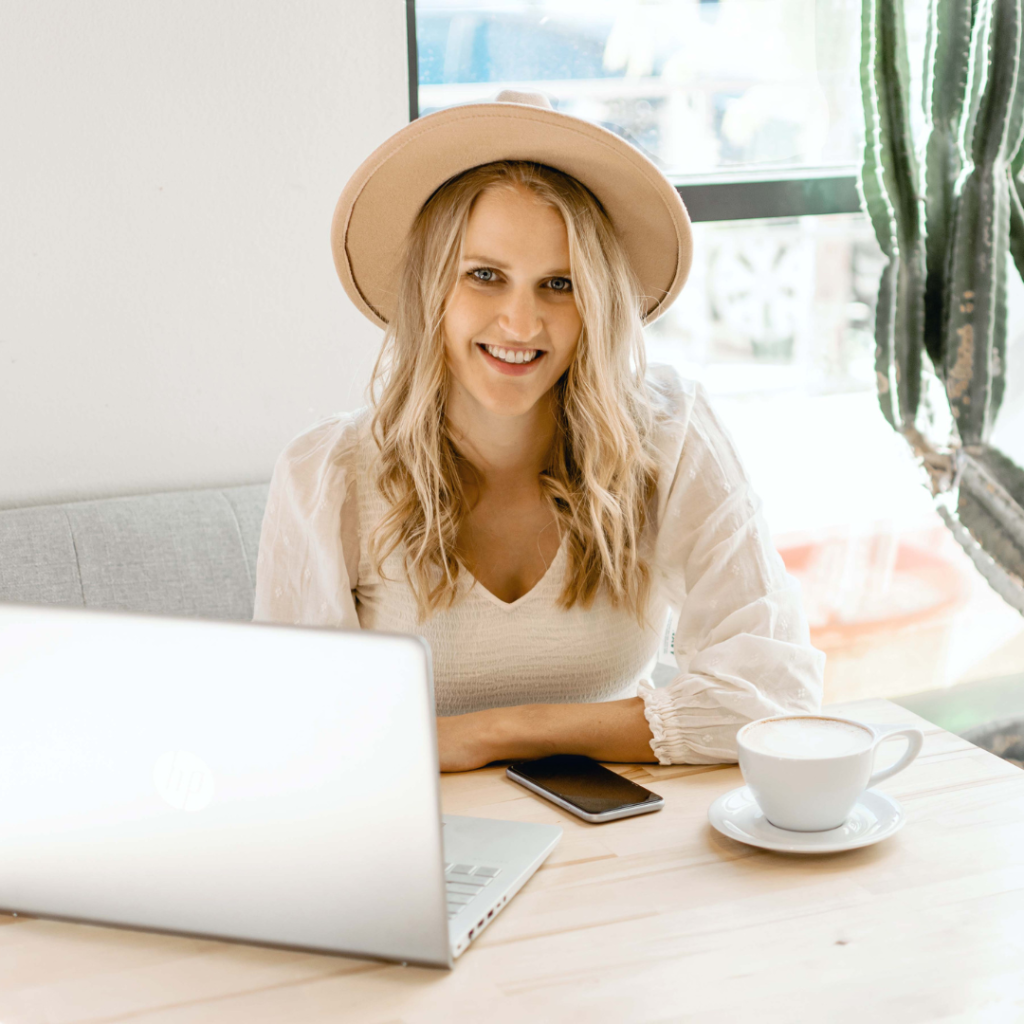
(808, 738)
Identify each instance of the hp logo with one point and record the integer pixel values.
(183, 780)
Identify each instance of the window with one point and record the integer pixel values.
(699, 86)
(752, 108)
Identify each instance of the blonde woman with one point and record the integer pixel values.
(523, 492)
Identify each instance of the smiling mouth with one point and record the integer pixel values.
(512, 356)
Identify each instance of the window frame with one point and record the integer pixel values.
(723, 196)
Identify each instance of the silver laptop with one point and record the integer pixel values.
(270, 784)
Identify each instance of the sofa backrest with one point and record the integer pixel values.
(179, 553)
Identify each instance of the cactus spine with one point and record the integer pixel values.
(947, 228)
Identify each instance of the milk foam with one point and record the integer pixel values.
(808, 737)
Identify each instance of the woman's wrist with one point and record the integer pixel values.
(519, 732)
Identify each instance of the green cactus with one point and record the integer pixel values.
(889, 186)
(949, 45)
(947, 229)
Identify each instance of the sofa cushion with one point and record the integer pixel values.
(179, 553)
(37, 557)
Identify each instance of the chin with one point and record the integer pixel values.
(508, 405)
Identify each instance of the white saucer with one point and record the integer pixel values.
(875, 816)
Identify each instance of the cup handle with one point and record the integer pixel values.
(915, 740)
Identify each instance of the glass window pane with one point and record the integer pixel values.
(777, 322)
(699, 85)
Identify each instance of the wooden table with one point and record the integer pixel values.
(655, 919)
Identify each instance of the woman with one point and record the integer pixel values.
(523, 493)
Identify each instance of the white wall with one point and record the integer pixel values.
(169, 312)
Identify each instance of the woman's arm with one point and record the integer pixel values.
(741, 642)
(309, 545)
(615, 730)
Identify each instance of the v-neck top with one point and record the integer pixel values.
(736, 632)
(557, 571)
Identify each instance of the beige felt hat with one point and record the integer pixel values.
(381, 200)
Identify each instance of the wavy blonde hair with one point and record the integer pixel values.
(601, 473)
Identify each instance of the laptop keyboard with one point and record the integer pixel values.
(465, 881)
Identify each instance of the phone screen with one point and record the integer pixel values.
(584, 783)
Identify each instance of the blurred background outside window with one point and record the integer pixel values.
(777, 317)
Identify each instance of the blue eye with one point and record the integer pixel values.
(483, 270)
(560, 284)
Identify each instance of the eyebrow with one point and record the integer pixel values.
(490, 261)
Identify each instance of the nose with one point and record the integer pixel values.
(518, 316)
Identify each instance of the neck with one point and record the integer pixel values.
(501, 449)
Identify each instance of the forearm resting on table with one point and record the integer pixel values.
(607, 731)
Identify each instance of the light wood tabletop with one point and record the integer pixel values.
(651, 919)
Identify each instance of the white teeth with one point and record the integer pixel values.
(511, 355)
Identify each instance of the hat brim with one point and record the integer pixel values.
(382, 198)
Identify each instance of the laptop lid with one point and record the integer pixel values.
(247, 781)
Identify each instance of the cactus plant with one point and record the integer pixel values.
(947, 210)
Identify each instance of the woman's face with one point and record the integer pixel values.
(511, 324)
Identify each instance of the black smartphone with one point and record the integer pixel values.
(584, 787)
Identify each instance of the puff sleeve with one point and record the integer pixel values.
(742, 643)
(308, 558)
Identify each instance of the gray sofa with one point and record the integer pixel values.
(179, 553)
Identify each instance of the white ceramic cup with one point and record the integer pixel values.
(814, 794)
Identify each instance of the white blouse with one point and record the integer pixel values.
(741, 643)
